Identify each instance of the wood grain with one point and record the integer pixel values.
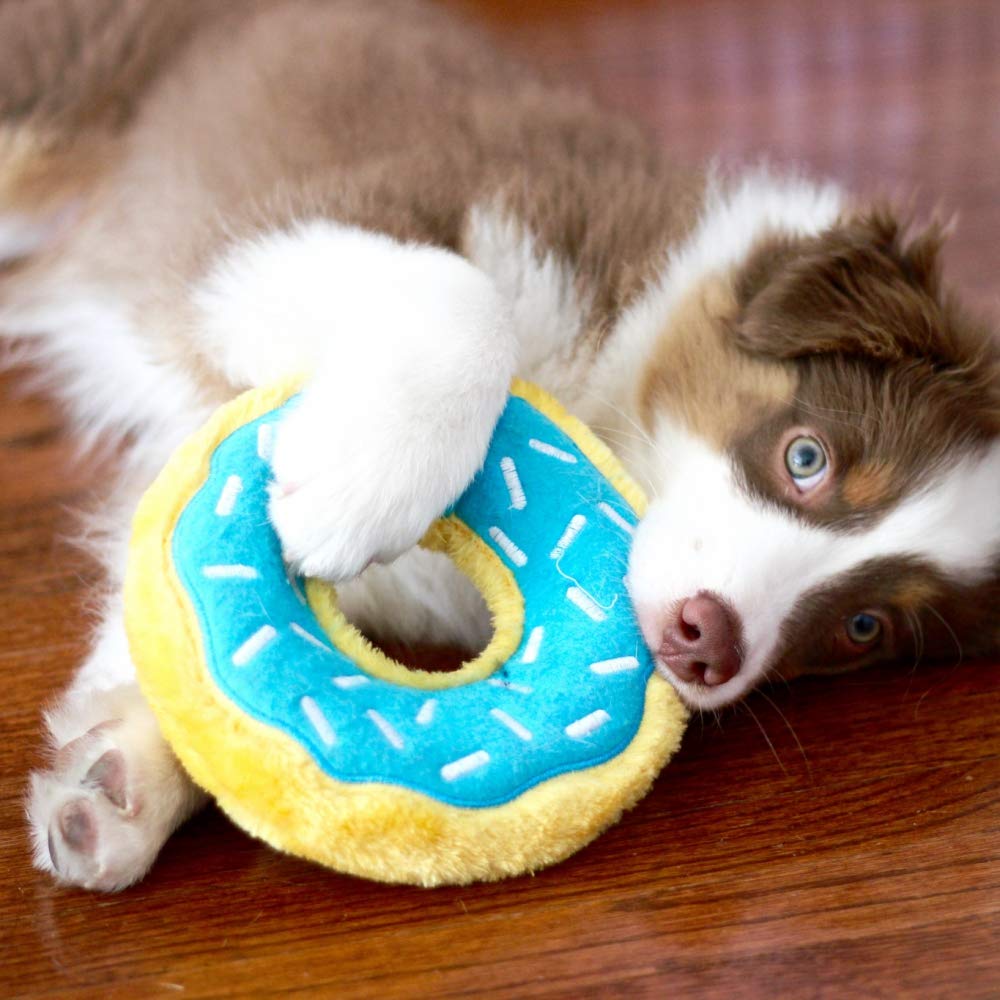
(833, 838)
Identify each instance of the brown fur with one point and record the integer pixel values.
(72, 75)
(229, 134)
(868, 485)
(892, 374)
(931, 618)
(896, 380)
(866, 291)
(67, 66)
(915, 592)
(188, 116)
(699, 376)
(852, 337)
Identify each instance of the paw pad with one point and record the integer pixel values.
(108, 775)
(78, 826)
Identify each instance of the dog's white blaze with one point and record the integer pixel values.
(954, 522)
(249, 649)
(588, 724)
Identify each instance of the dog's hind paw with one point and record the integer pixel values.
(88, 820)
(110, 799)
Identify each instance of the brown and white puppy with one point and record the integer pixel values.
(840, 500)
(196, 198)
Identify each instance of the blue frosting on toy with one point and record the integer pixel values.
(571, 697)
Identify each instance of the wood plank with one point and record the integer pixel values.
(833, 837)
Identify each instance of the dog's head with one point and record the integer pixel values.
(828, 488)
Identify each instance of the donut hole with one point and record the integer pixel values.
(439, 619)
(454, 586)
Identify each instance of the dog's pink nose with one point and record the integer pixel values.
(701, 644)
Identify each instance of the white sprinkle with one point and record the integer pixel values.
(612, 515)
(586, 604)
(309, 637)
(227, 498)
(615, 666)
(254, 645)
(533, 644)
(348, 681)
(464, 765)
(517, 498)
(575, 526)
(514, 554)
(510, 686)
(552, 452)
(265, 441)
(386, 729)
(233, 572)
(426, 714)
(293, 582)
(319, 721)
(588, 724)
(512, 724)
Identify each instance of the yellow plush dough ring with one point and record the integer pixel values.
(317, 743)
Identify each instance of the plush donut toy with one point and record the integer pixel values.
(313, 740)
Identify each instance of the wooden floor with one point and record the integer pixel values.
(833, 838)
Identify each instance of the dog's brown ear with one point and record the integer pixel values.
(863, 288)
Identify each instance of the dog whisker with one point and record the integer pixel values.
(913, 620)
(791, 729)
(642, 431)
(950, 631)
(767, 739)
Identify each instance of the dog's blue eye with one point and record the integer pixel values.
(863, 629)
(805, 460)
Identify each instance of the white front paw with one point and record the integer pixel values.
(396, 423)
(346, 495)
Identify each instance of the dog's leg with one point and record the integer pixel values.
(410, 351)
(411, 354)
(113, 792)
